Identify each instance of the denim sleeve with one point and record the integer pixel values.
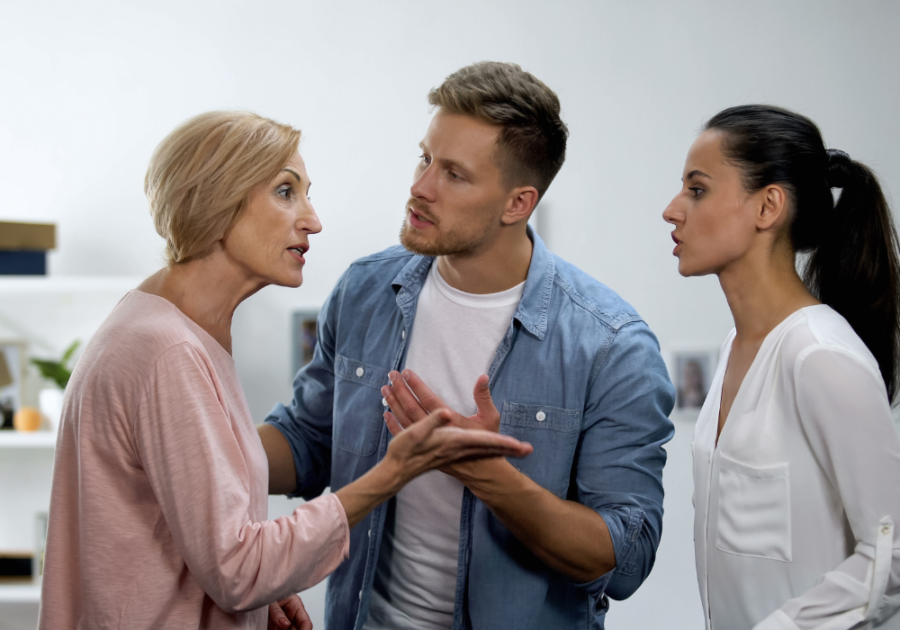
(307, 422)
(621, 455)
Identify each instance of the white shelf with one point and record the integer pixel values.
(32, 439)
(68, 284)
(20, 593)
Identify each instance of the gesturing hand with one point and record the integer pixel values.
(289, 613)
(410, 400)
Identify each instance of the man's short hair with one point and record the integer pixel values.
(531, 147)
(201, 174)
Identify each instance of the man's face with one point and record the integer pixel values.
(457, 196)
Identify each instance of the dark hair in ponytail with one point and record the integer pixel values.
(853, 255)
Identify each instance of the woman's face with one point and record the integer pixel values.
(715, 219)
(271, 237)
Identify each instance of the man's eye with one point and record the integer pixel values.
(426, 159)
(453, 175)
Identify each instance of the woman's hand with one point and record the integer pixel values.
(289, 613)
(411, 400)
(433, 443)
(425, 445)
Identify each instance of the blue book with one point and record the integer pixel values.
(23, 263)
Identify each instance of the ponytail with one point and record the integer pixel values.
(853, 263)
(855, 267)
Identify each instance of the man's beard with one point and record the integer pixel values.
(452, 243)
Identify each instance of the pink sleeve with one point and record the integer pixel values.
(198, 473)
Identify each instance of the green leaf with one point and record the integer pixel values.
(69, 352)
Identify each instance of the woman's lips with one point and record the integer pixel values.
(416, 220)
(297, 252)
(677, 245)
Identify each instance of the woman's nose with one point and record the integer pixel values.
(309, 221)
(671, 213)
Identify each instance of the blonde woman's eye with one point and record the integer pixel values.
(284, 191)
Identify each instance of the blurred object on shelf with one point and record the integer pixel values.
(5, 375)
(23, 247)
(12, 372)
(40, 543)
(50, 402)
(303, 342)
(58, 371)
(27, 419)
(15, 564)
(6, 414)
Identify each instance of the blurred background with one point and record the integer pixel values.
(88, 88)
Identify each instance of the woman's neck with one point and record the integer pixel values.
(207, 290)
(762, 291)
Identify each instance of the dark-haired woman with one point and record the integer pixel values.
(796, 460)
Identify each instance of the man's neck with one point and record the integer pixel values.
(500, 266)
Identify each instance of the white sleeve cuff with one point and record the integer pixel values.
(778, 620)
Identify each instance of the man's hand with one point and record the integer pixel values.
(289, 613)
(411, 400)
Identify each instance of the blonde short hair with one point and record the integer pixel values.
(201, 174)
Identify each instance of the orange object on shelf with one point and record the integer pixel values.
(27, 419)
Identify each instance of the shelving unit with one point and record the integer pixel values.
(48, 313)
(34, 439)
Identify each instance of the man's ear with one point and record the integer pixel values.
(520, 204)
(773, 207)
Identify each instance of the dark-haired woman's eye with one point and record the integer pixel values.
(697, 191)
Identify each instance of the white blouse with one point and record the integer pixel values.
(795, 507)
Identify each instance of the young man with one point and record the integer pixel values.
(532, 543)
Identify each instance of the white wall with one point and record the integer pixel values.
(88, 88)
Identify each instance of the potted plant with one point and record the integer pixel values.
(50, 399)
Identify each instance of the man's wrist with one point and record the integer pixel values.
(485, 477)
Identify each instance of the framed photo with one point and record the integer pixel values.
(694, 371)
(13, 353)
(303, 338)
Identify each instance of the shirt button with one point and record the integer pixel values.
(403, 334)
(384, 402)
(885, 530)
(540, 416)
(360, 596)
(369, 533)
(360, 372)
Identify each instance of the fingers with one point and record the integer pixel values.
(477, 443)
(485, 404)
(429, 400)
(277, 619)
(402, 401)
(393, 424)
(296, 612)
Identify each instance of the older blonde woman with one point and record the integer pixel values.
(158, 508)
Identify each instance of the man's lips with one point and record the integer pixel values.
(417, 220)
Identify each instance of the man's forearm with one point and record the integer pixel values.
(282, 472)
(566, 536)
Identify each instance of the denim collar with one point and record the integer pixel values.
(535, 304)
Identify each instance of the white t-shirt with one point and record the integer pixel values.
(796, 506)
(454, 338)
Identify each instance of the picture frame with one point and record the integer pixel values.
(303, 338)
(13, 362)
(692, 370)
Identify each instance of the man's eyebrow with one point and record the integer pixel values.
(697, 173)
(297, 177)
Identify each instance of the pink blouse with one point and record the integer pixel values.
(160, 484)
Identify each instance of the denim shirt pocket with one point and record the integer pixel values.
(357, 403)
(554, 434)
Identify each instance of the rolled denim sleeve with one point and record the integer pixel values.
(307, 422)
(621, 455)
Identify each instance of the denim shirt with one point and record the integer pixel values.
(578, 375)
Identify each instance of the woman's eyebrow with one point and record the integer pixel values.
(696, 173)
(293, 173)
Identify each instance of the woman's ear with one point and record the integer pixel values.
(772, 210)
(520, 203)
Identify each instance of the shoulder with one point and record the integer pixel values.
(580, 292)
(141, 329)
(822, 335)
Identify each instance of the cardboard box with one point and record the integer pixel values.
(27, 236)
